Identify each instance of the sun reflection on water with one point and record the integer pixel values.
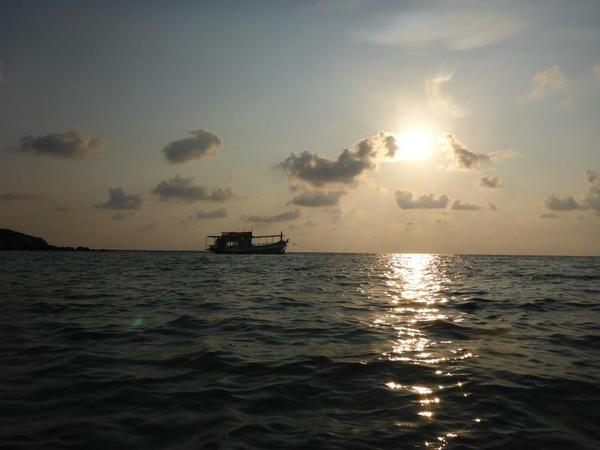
(417, 302)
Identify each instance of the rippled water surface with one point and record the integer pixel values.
(193, 350)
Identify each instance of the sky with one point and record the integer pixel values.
(351, 126)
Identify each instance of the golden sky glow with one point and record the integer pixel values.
(452, 127)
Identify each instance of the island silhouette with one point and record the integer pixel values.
(14, 240)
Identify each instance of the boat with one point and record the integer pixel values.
(245, 243)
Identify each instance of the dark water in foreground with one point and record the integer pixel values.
(189, 350)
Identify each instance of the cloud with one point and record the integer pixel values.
(596, 69)
(405, 201)
(592, 197)
(589, 201)
(389, 143)
(593, 179)
(318, 198)
(186, 189)
(456, 30)
(463, 158)
(18, 196)
(439, 102)
(460, 206)
(548, 80)
(73, 144)
(555, 203)
(61, 209)
(503, 154)
(320, 171)
(2, 77)
(119, 199)
(285, 216)
(492, 206)
(492, 183)
(201, 143)
(215, 214)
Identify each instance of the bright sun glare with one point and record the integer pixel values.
(414, 145)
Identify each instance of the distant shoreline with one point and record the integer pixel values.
(16, 241)
(11, 240)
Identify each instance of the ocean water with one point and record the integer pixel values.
(193, 350)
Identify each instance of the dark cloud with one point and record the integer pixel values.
(555, 203)
(201, 143)
(590, 201)
(460, 206)
(186, 189)
(215, 214)
(389, 144)
(17, 196)
(73, 144)
(288, 215)
(492, 183)
(462, 158)
(405, 201)
(119, 199)
(592, 197)
(320, 171)
(61, 209)
(318, 198)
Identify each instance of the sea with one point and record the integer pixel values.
(189, 350)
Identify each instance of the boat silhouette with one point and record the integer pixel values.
(245, 243)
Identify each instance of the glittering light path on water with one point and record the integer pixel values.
(414, 289)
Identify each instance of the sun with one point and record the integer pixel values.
(414, 145)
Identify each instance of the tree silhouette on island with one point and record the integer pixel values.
(13, 240)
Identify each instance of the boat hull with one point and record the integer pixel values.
(271, 249)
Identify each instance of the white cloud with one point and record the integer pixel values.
(439, 102)
(455, 31)
(548, 80)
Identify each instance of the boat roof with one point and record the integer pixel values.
(238, 234)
